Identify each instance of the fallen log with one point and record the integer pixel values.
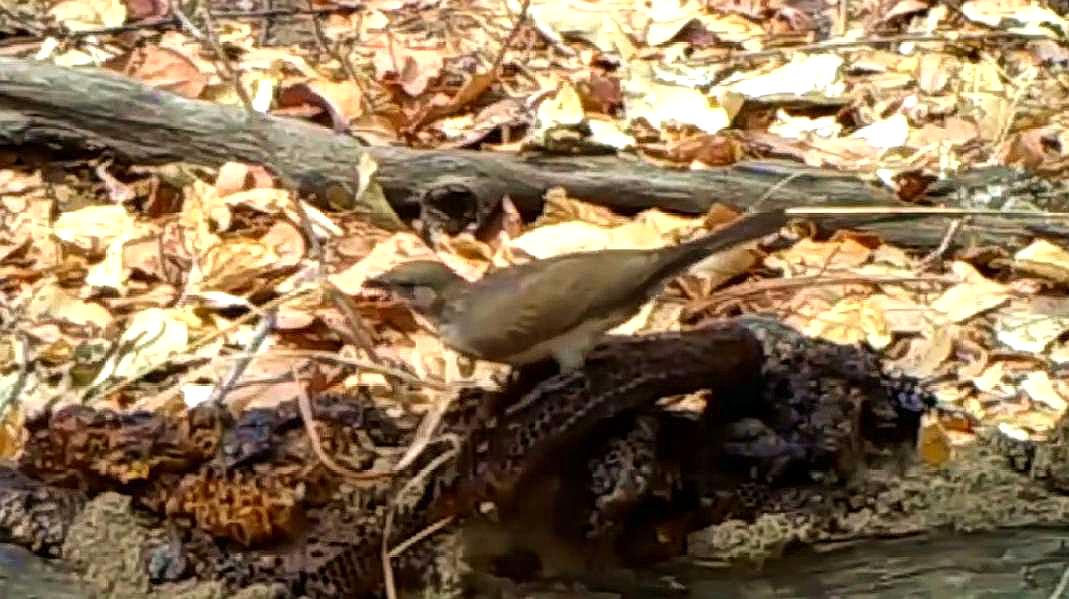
(87, 108)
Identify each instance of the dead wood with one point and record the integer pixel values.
(55, 106)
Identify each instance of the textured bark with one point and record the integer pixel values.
(45, 104)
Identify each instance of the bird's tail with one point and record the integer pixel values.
(748, 228)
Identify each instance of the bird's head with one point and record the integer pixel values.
(421, 282)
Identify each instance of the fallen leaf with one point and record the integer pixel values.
(804, 74)
(161, 68)
(965, 300)
(661, 105)
(399, 247)
(808, 257)
(1040, 388)
(851, 320)
(933, 443)
(151, 337)
(926, 355)
(1045, 259)
(886, 134)
(53, 303)
(93, 228)
(81, 15)
(342, 100)
(1027, 331)
(413, 68)
(993, 380)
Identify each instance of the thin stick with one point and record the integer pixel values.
(889, 210)
(327, 356)
(416, 538)
(305, 406)
(387, 529)
(937, 254)
(863, 44)
(771, 190)
(123, 384)
(252, 348)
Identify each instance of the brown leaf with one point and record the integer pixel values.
(413, 69)
(161, 68)
(442, 106)
(341, 99)
(933, 443)
(234, 264)
(286, 242)
(144, 9)
(711, 150)
(237, 176)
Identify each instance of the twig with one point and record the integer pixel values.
(424, 433)
(24, 373)
(922, 211)
(779, 185)
(230, 73)
(205, 340)
(387, 529)
(266, 325)
(305, 406)
(184, 21)
(327, 356)
(937, 254)
(416, 538)
(760, 287)
(343, 60)
(863, 43)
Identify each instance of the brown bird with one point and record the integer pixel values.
(558, 307)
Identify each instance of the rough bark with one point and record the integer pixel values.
(86, 108)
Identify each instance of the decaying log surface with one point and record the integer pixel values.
(45, 104)
(590, 470)
(792, 459)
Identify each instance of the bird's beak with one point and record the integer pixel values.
(375, 283)
(378, 282)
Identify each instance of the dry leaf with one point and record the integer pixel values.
(817, 256)
(413, 68)
(927, 355)
(342, 100)
(559, 208)
(849, 321)
(1024, 330)
(1041, 389)
(804, 74)
(399, 247)
(53, 303)
(94, 228)
(965, 300)
(1045, 259)
(81, 15)
(661, 105)
(161, 68)
(238, 176)
(933, 443)
(235, 264)
(151, 337)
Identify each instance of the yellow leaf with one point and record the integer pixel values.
(80, 15)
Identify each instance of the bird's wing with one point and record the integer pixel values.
(520, 307)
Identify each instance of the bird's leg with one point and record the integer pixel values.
(526, 377)
(571, 358)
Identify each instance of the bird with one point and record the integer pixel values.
(558, 307)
